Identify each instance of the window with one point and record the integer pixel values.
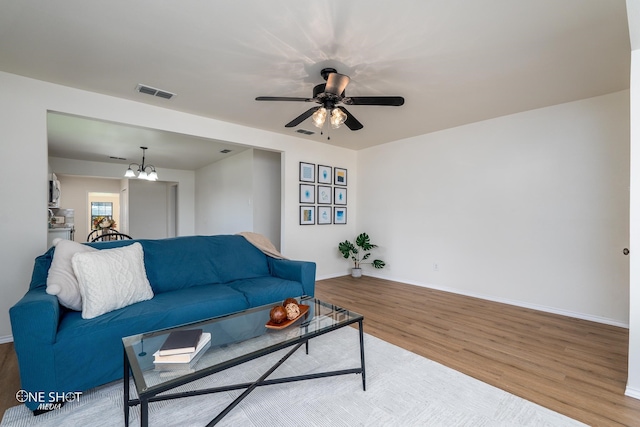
(99, 211)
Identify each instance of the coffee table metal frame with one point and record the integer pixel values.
(149, 394)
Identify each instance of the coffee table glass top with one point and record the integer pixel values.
(235, 339)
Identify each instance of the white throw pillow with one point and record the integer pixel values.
(61, 280)
(111, 279)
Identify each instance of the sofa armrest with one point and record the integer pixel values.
(34, 324)
(300, 271)
(35, 317)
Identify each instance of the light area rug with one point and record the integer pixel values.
(403, 389)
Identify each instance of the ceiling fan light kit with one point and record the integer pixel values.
(338, 117)
(319, 117)
(330, 95)
(151, 175)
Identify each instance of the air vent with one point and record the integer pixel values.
(165, 95)
(306, 132)
(154, 91)
(225, 151)
(117, 158)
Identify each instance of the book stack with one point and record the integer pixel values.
(181, 350)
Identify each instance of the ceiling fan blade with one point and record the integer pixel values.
(336, 83)
(283, 98)
(301, 118)
(394, 101)
(351, 122)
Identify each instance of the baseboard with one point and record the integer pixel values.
(6, 339)
(331, 276)
(632, 392)
(553, 310)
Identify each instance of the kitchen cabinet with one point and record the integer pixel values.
(55, 233)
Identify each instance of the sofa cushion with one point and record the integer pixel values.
(111, 279)
(266, 290)
(61, 279)
(179, 263)
(235, 258)
(76, 335)
(174, 263)
(162, 311)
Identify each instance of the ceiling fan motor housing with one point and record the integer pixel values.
(317, 90)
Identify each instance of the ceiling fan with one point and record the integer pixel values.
(330, 95)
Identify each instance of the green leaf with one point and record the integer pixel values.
(378, 263)
(346, 248)
(363, 241)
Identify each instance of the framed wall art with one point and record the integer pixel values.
(324, 174)
(307, 172)
(324, 195)
(324, 214)
(307, 215)
(339, 215)
(340, 196)
(307, 193)
(339, 176)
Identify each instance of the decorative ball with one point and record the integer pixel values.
(289, 301)
(278, 314)
(293, 311)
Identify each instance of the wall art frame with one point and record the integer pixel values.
(339, 196)
(340, 176)
(324, 174)
(307, 172)
(307, 215)
(307, 193)
(324, 215)
(324, 195)
(339, 215)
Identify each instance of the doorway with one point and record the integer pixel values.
(103, 208)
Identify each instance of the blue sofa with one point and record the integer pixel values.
(193, 278)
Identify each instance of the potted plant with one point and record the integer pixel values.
(358, 253)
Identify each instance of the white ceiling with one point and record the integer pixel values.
(80, 138)
(454, 61)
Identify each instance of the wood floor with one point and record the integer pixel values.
(572, 366)
(9, 377)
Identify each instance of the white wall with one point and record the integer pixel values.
(23, 226)
(148, 209)
(240, 193)
(267, 194)
(633, 382)
(530, 208)
(23, 111)
(124, 206)
(225, 195)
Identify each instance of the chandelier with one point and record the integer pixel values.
(147, 172)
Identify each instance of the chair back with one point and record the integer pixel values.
(111, 235)
(92, 235)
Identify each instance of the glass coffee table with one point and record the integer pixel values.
(235, 339)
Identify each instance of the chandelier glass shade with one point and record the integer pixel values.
(143, 171)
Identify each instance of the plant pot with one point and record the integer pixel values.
(356, 272)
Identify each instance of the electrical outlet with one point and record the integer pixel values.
(436, 267)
